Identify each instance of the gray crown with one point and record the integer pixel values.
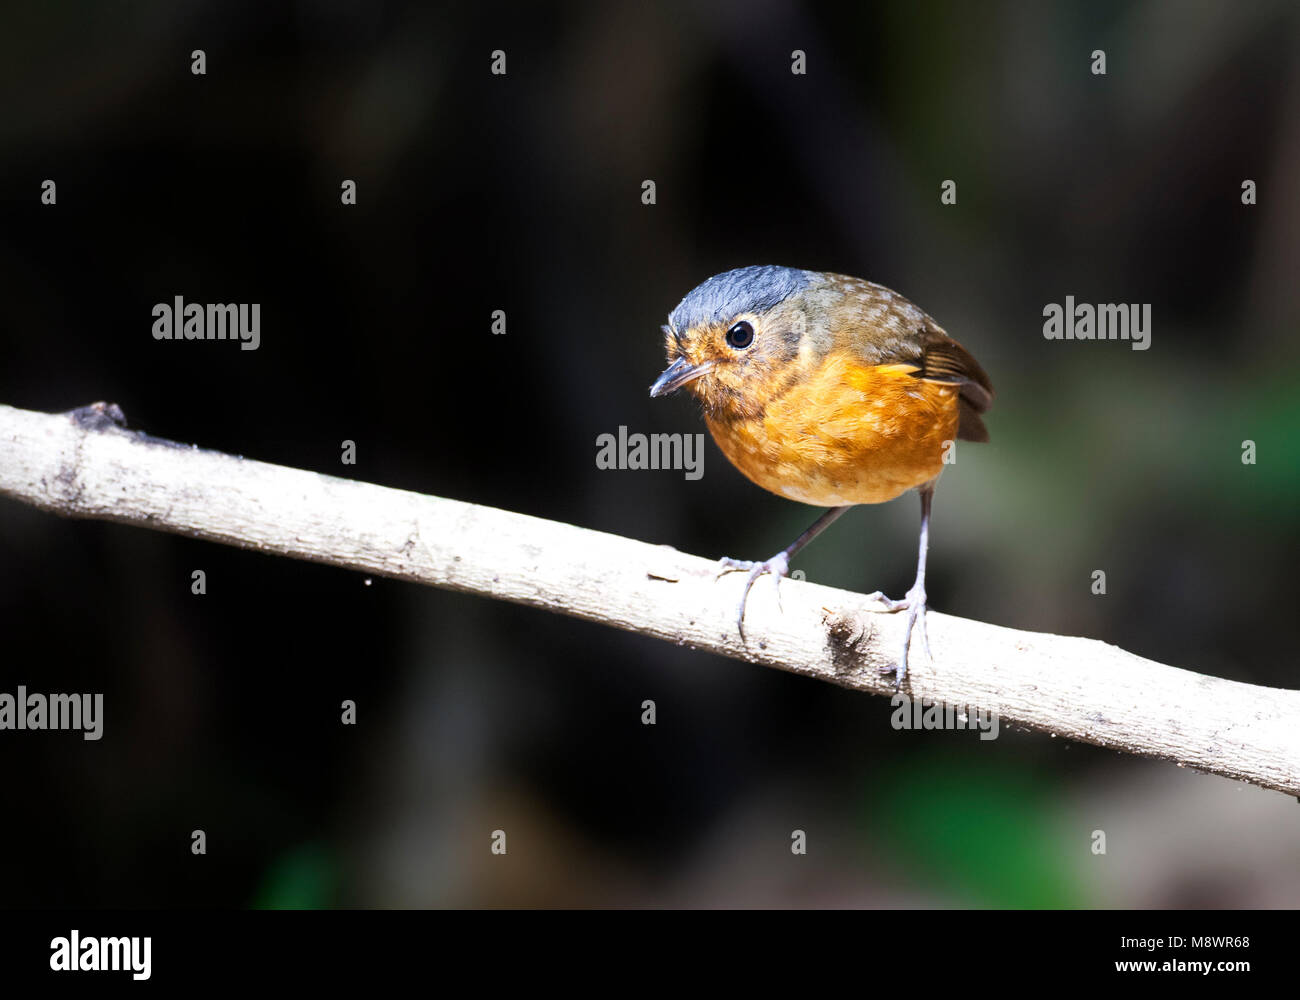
(746, 289)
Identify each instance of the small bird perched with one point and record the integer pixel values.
(829, 390)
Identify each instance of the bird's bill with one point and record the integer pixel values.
(677, 375)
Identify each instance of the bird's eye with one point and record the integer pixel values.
(740, 336)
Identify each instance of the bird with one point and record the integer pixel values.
(829, 390)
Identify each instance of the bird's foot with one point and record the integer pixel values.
(778, 566)
(914, 604)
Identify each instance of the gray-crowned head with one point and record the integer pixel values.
(738, 329)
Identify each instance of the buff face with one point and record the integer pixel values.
(733, 365)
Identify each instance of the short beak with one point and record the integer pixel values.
(677, 375)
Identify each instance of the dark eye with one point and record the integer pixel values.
(740, 336)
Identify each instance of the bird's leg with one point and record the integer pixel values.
(914, 601)
(778, 565)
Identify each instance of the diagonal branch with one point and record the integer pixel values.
(84, 464)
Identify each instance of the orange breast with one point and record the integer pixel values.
(844, 434)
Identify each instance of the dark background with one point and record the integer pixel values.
(522, 193)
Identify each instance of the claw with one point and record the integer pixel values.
(914, 604)
(778, 566)
(890, 604)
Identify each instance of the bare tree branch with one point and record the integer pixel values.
(83, 464)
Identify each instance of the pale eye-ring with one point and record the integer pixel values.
(741, 335)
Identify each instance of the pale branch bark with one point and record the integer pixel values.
(81, 464)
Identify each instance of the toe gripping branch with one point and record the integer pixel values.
(913, 602)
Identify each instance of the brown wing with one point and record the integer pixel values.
(944, 360)
(898, 331)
